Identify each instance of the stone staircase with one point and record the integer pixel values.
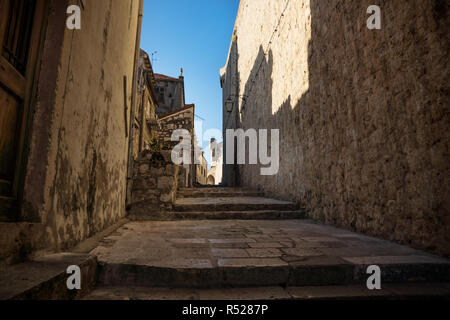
(224, 248)
(220, 203)
(218, 192)
(233, 243)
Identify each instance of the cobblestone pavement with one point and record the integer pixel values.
(207, 244)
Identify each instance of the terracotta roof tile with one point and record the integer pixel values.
(164, 77)
(187, 106)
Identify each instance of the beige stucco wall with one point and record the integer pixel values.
(76, 176)
(201, 170)
(363, 115)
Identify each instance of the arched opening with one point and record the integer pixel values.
(211, 180)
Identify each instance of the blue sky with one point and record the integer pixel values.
(194, 35)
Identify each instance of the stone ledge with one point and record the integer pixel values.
(45, 278)
(391, 292)
(148, 215)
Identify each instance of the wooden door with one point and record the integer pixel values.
(20, 27)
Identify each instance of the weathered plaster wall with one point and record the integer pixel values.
(76, 176)
(363, 115)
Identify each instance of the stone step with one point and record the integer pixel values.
(45, 278)
(232, 204)
(388, 291)
(250, 272)
(219, 215)
(216, 189)
(252, 253)
(218, 193)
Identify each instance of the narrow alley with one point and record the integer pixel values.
(252, 150)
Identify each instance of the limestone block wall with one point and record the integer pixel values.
(155, 184)
(363, 114)
(168, 123)
(182, 119)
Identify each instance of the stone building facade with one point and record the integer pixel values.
(216, 156)
(363, 114)
(145, 121)
(170, 92)
(201, 169)
(74, 92)
(182, 118)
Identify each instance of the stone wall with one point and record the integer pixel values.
(75, 183)
(145, 121)
(180, 119)
(363, 114)
(155, 184)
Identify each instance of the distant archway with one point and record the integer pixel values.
(211, 180)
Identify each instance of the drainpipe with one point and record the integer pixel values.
(133, 103)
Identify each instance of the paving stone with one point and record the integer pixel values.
(240, 245)
(229, 253)
(356, 251)
(264, 253)
(302, 252)
(319, 239)
(141, 293)
(259, 237)
(287, 244)
(334, 292)
(252, 262)
(279, 238)
(266, 245)
(347, 292)
(414, 289)
(231, 204)
(322, 260)
(383, 260)
(231, 240)
(209, 253)
(181, 241)
(260, 293)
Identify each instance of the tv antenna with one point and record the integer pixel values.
(153, 57)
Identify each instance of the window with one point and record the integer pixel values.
(18, 33)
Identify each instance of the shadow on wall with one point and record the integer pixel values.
(364, 148)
